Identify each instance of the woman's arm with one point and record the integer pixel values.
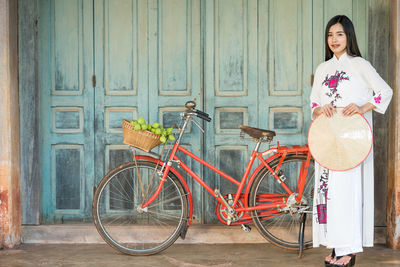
(382, 91)
(315, 97)
(353, 109)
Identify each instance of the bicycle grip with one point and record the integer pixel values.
(201, 112)
(202, 116)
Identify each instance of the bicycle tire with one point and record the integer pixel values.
(119, 219)
(282, 228)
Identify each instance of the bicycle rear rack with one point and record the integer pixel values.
(152, 154)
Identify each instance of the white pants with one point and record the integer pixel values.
(346, 251)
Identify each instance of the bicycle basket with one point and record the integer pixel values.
(141, 139)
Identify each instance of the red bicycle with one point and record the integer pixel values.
(143, 206)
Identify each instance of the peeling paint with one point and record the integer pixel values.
(3, 199)
(397, 202)
(4, 224)
(397, 231)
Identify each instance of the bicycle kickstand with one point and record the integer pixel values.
(301, 234)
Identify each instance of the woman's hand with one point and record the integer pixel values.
(352, 109)
(327, 109)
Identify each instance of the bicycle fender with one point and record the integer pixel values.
(181, 179)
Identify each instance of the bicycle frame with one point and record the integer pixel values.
(278, 200)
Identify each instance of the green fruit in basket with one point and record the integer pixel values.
(149, 127)
(156, 125)
(163, 139)
(169, 130)
(133, 123)
(153, 130)
(141, 120)
(164, 132)
(171, 137)
(144, 127)
(137, 127)
(158, 131)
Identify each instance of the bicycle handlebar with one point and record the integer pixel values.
(201, 112)
(190, 105)
(202, 115)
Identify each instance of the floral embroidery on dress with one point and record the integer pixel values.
(332, 83)
(322, 195)
(313, 105)
(378, 99)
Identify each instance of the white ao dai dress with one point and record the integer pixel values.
(344, 200)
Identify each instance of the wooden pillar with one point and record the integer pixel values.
(378, 33)
(10, 210)
(393, 202)
(29, 110)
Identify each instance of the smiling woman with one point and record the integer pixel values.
(337, 40)
(340, 37)
(345, 80)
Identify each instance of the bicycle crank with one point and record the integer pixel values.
(233, 218)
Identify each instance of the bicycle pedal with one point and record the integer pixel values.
(246, 228)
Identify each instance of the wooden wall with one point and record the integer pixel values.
(378, 55)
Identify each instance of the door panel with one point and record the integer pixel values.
(147, 64)
(121, 90)
(257, 65)
(285, 60)
(230, 89)
(65, 62)
(175, 75)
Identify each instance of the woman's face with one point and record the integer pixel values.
(337, 40)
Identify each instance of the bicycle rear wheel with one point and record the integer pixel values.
(282, 227)
(118, 215)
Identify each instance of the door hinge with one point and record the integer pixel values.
(94, 80)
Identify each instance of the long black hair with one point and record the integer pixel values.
(352, 47)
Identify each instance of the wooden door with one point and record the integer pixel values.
(257, 73)
(147, 56)
(101, 61)
(66, 108)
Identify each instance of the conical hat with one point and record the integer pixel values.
(340, 142)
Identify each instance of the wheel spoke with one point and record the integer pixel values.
(282, 228)
(129, 229)
(165, 201)
(164, 214)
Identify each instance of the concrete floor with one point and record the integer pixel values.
(186, 255)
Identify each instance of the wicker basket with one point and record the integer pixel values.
(141, 139)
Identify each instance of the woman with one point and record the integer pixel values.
(346, 80)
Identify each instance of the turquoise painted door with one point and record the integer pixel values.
(257, 73)
(101, 61)
(66, 107)
(147, 64)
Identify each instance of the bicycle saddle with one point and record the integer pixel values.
(256, 133)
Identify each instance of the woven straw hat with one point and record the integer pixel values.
(340, 143)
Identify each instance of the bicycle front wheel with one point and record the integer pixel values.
(282, 227)
(120, 219)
